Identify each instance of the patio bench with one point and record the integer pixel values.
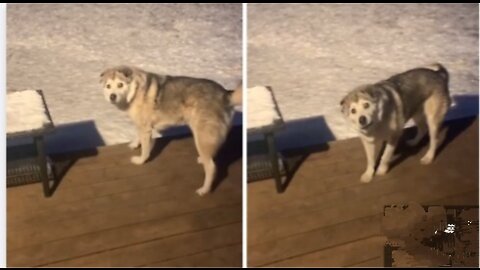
(264, 119)
(28, 117)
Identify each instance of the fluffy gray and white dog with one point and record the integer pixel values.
(157, 102)
(379, 112)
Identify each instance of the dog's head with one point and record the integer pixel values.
(363, 107)
(119, 85)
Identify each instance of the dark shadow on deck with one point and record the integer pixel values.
(297, 140)
(229, 152)
(461, 115)
(68, 143)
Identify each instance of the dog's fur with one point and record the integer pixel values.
(156, 102)
(379, 112)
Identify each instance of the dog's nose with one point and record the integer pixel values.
(362, 120)
(113, 97)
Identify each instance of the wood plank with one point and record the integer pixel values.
(285, 227)
(273, 227)
(115, 172)
(22, 204)
(463, 198)
(342, 255)
(105, 196)
(176, 153)
(99, 241)
(320, 200)
(21, 207)
(161, 249)
(372, 262)
(331, 163)
(229, 256)
(266, 247)
(105, 204)
(322, 238)
(305, 180)
(64, 228)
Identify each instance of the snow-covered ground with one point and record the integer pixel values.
(62, 50)
(312, 55)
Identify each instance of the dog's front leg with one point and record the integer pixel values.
(369, 146)
(387, 155)
(146, 143)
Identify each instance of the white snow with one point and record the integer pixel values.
(25, 111)
(311, 55)
(261, 107)
(63, 48)
(314, 54)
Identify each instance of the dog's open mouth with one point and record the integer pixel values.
(364, 127)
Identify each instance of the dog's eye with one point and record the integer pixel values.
(108, 86)
(353, 111)
(366, 105)
(120, 85)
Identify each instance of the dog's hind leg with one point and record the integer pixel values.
(435, 109)
(208, 139)
(419, 120)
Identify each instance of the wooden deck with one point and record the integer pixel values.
(109, 212)
(326, 217)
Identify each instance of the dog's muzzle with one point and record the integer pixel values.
(113, 97)
(362, 120)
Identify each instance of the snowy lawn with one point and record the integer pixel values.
(312, 55)
(62, 49)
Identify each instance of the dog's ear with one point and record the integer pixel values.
(343, 104)
(372, 92)
(102, 76)
(376, 93)
(126, 72)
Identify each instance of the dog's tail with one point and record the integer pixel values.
(440, 69)
(443, 72)
(236, 96)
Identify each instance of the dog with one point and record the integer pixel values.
(379, 112)
(157, 102)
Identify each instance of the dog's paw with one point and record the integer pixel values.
(134, 145)
(382, 170)
(366, 177)
(202, 191)
(137, 160)
(427, 159)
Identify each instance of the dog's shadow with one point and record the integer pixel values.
(162, 142)
(229, 152)
(449, 132)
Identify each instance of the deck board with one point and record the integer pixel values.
(325, 208)
(109, 212)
